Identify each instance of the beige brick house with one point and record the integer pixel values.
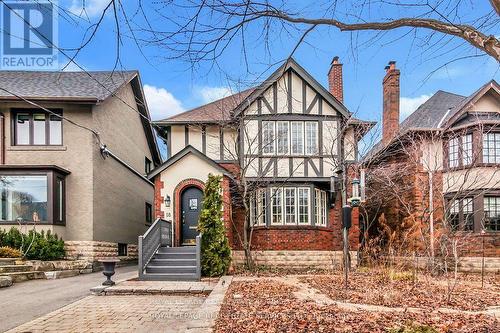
(56, 174)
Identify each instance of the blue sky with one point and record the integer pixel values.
(173, 86)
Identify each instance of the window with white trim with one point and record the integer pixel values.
(277, 206)
(297, 137)
(290, 201)
(311, 137)
(467, 149)
(262, 206)
(268, 137)
(491, 148)
(304, 204)
(317, 205)
(453, 153)
(283, 141)
(492, 213)
(324, 208)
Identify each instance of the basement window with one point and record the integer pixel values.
(122, 249)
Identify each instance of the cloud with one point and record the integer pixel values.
(88, 8)
(410, 104)
(209, 94)
(161, 103)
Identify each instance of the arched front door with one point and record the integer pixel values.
(191, 199)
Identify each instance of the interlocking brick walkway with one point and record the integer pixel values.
(135, 313)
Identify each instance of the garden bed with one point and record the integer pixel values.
(402, 289)
(266, 305)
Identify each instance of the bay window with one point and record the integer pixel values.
(36, 196)
(491, 148)
(289, 205)
(36, 127)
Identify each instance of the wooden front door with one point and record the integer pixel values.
(191, 199)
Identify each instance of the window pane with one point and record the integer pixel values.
(303, 194)
(39, 129)
(467, 149)
(491, 148)
(268, 137)
(454, 214)
(492, 213)
(282, 137)
(453, 153)
(297, 137)
(317, 204)
(59, 200)
(290, 206)
(468, 208)
(262, 206)
(23, 129)
(55, 127)
(311, 137)
(324, 207)
(277, 206)
(24, 197)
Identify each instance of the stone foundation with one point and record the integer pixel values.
(296, 259)
(92, 251)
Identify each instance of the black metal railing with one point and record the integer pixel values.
(158, 234)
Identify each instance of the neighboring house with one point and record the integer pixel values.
(444, 160)
(57, 175)
(284, 143)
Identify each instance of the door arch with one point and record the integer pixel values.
(191, 204)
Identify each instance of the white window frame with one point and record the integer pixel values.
(265, 145)
(308, 205)
(279, 138)
(307, 130)
(286, 206)
(273, 197)
(262, 206)
(301, 137)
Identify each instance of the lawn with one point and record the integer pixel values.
(383, 303)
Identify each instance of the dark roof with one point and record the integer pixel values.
(214, 112)
(91, 86)
(433, 112)
(185, 151)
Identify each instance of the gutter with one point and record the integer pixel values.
(105, 152)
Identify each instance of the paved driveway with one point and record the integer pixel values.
(26, 301)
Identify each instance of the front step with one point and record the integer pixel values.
(175, 256)
(15, 268)
(172, 262)
(170, 277)
(184, 249)
(171, 269)
(25, 276)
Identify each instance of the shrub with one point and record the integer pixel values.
(35, 245)
(400, 276)
(8, 252)
(413, 328)
(215, 251)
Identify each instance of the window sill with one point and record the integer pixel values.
(293, 227)
(31, 223)
(37, 148)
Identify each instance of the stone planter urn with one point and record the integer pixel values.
(109, 270)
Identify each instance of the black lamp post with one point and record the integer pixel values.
(109, 270)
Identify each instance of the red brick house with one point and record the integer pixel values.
(444, 161)
(287, 140)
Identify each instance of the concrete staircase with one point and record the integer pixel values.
(172, 264)
(18, 271)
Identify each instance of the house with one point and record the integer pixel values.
(283, 148)
(444, 161)
(75, 149)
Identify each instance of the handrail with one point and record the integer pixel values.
(198, 256)
(158, 234)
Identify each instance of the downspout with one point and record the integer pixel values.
(2, 137)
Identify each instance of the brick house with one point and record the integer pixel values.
(444, 160)
(286, 141)
(88, 187)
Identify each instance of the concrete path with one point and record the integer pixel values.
(26, 301)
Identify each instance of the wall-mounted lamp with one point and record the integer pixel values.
(167, 201)
(355, 200)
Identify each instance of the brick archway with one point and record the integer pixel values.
(190, 182)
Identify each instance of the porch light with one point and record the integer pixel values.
(167, 201)
(355, 200)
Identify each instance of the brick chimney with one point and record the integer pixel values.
(335, 84)
(390, 115)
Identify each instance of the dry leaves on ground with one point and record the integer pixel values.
(269, 306)
(377, 288)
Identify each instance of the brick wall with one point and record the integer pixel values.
(158, 199)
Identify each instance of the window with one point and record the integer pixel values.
(122, 249)
(468, 208)
(467, 149)
(324, 208)
(283, 142)
(37, 196)
(147, 165)
(297, 137)
(268, 137)
(32, 127)
(262, 206)
(492, 213)
(311, 137)
(149, 213)
(454, 215)
(290, 194)
(276, 206)
(491, 148)
(253, 209)
(461, 214)
(303, 194)
(453, 153)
